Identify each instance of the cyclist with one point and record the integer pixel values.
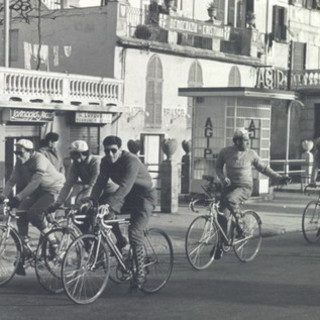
(50, 151)
(84, 167)
(237, 181)
(37, 183)
(135, 191)
(316, 165)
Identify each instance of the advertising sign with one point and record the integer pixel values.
(23, 115)
(93, 117)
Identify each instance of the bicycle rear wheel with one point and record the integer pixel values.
(49, 256)
(201, 242)
(246, 246)
(85, 269)
(158, 260)
(311, 222)
(10, 253)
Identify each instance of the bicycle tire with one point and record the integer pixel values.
(311, 222)
(248, 245)
(85, 269)
(202, 241)
(49, 257)
(158, 263)
(10, 254)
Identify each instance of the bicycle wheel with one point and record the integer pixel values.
(49, 256)
(246, 246)
(85, 269)
(201, 242)
(311, 222)
(10, 253)
(158, 260)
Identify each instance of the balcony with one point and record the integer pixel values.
(178, 30)
(59, 91)
(307, 81)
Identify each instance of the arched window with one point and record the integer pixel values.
(195, 79)
(154, 92)
(234, 77)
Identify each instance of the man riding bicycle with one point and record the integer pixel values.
(135, 191)
(237, 180)
(37, 184)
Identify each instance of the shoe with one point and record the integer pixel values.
(20, 269)
(217, 252)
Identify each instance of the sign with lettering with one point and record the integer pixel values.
(208, 133)
(271, 78)
(22, 115)
(93, 117)
(196, 27)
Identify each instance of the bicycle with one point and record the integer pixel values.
(86, 265)
(311, 218)
(205, 235)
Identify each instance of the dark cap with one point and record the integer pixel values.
(52, 136)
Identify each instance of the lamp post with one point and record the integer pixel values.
(6, 33)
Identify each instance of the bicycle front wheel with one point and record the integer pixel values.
(85, 269)
(247, 244)
(10, 253)
(311, 222)
(158, 260)
(201, 242)
(49, 256)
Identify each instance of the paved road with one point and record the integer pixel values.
(281, 283)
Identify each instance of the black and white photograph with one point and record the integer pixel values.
(159, 159)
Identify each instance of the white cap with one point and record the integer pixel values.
(79, 146)
(25, 143)
(241, 133)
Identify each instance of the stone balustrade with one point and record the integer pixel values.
(305, 79)
(48, 87)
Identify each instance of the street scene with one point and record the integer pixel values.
(159, 159)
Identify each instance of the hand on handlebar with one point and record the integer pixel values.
(283, 179)
(226, 182)
(53, 207)
(2, 198)
(312, 185)
(13, 202)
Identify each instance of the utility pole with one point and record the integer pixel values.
(6, 33)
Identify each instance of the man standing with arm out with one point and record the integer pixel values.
(135, 191)
(38, 184)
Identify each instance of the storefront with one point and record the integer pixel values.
(217, 113)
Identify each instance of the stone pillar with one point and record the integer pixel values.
(186, 167)
(169, 178)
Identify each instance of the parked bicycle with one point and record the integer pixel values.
(205, 234)
(311, 217)
(86, 264)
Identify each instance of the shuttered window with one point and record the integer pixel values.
(298, 56)
(195, 79)
(279, 23)
(154, 93)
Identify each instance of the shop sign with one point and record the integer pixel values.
(21, 115)
(181, 25)
(93, 117)
(271, 78)
(208, 133)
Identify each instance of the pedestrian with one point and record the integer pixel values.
(49, 150)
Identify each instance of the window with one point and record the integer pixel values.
(298, 56)
(195, 79)
(154, 92)
(234, 77)
(279, 23)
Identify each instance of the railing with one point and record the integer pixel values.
(305, 79)
(25, 85)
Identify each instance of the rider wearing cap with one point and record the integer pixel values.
(84, 167)
(37, 184)
(237, 160)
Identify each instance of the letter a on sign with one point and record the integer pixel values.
(208, 128)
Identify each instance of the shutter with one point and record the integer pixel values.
(276, 23)
(88, 134)
(23, 131)
(298, 56)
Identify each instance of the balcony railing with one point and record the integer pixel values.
(48, 87)
(305, 79)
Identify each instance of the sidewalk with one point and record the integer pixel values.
(280, 215)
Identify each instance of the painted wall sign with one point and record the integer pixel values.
(208, 133)
(270, 78)
(21, 115)
(93, 117)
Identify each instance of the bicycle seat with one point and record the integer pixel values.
(208, 178)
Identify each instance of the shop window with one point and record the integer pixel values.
(195, 79)
(279, 23)
(154, 92)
